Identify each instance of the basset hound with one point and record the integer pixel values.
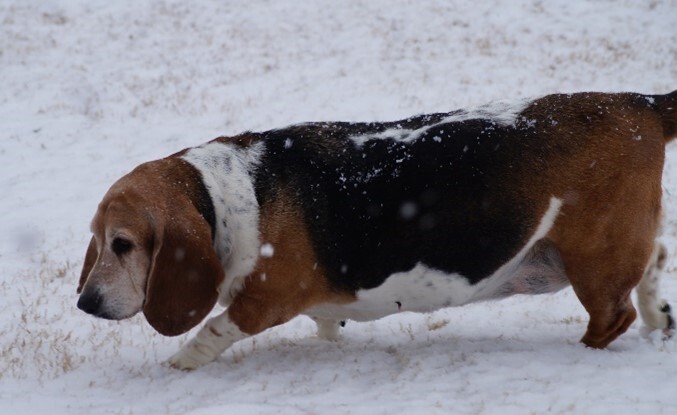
(339, 220)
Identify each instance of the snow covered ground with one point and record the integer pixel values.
(90, 89)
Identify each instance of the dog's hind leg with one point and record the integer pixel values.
(655, 312)
(604, 282)
(604, 269)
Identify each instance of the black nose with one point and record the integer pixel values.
(90, 301)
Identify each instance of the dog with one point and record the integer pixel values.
(357, 221)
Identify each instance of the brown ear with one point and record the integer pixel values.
(90, 260)
(184, 275)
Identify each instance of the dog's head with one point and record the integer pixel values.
(151, 251)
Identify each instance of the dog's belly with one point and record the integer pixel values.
(422, 290)
(537, 268)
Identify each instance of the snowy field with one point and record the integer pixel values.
(89, 89)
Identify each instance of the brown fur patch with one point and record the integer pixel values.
(185, 272)
(609, 174)
(156, 206)
(288, 282)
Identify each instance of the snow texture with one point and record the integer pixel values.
(92, 88)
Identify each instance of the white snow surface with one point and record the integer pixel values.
(91, 88)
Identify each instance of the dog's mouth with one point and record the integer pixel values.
(91, 302)
(107, 315)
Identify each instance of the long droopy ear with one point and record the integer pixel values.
(90, 260)
(185, 272)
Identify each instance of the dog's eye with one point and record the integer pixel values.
(121, 246)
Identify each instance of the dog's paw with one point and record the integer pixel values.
(658, 338)
(329, 329)
(181, 361)
(190, 357)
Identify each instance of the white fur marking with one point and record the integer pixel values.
(501, 113)
(654, 311)
(226, 173)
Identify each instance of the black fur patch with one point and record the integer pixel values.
(668, 311)
(202, 200)
(447, 199)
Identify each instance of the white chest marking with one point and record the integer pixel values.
(423, 289)
(226, 173)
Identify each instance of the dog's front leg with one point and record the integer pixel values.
(252, 311)
(214, 338)
(328, 329)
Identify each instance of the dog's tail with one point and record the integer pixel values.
(666, 106)
(655, 311)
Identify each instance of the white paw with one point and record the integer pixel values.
(191, 356)
(328, 329)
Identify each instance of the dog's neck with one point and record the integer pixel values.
(227, 171)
